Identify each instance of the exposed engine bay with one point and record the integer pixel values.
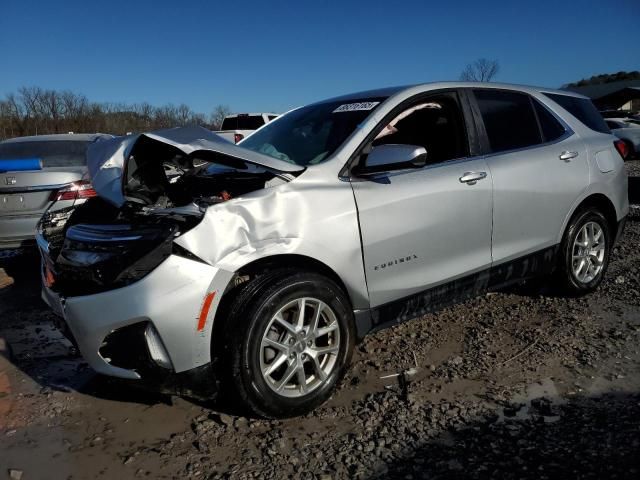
(98, 245)
(161, 176)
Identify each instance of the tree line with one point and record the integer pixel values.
(38, 111)
(605, 78)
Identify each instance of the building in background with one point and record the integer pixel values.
(621, 95)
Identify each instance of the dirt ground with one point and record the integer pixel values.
(516, 384)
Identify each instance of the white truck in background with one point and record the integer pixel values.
(240, 125)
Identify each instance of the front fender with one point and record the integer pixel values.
(346, 265)
(316, 219)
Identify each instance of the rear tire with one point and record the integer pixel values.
(584, 253)
(284, 364)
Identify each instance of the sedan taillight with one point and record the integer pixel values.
(622, 148)
(77, 190)
(237, 137)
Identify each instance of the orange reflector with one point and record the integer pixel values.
(205, 310)
(49, 279)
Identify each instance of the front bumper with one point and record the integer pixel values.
(171, 298)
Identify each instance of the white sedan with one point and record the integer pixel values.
(628, 131)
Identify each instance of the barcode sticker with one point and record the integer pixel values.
(354, 107)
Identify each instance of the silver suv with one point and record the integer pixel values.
(258, 266)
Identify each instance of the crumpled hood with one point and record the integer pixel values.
(106, 159)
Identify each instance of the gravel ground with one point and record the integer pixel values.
(516, 384)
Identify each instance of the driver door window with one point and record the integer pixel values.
(436, 124)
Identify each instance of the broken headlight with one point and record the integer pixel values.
(96, 258)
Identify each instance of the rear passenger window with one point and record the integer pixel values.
(582, 109)
(552, 129)
(508, 119)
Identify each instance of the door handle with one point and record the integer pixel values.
(470, 178)
(566, 156)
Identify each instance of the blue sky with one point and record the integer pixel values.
(271, 56)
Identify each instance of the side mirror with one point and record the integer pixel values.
(394, 157)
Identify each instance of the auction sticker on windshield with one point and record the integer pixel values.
(354, 107)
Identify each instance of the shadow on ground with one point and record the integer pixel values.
(587, 437)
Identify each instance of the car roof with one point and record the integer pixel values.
(80, 137)
(390, 91)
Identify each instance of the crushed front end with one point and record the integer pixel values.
(138, 305)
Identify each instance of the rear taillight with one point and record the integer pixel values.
(622, 148)
(76, 190)
(237, 137)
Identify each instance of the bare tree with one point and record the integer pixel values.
(184, 115)
(6, 124)
(17, 115)
(217, 116)
(482, 70)
(36, 111)
(52, 109)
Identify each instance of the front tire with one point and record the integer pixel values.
(584, 254)
(291, 336)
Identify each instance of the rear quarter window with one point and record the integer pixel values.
(582, 109)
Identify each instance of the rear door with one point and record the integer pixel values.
(424, 227)
(539, 168)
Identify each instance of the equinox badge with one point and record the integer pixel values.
(396, 261)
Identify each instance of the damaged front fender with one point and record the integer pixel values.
(309, 217)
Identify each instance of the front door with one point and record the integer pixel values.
(425, 227)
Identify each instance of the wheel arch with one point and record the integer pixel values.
(600, 202)
(292, 261)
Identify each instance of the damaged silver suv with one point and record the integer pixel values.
(204, 265)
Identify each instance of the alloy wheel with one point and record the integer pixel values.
(588, 252)
(299, 347)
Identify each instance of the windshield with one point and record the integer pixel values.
(52, 153)
(309, 135)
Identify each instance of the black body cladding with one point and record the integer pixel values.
(533, 265)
